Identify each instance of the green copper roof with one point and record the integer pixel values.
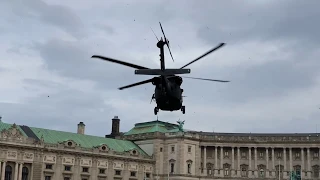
(153, 126)
(7, 126)
(86, 141)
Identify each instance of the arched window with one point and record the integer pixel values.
(189, 163)
(25, 173)
(8, 173)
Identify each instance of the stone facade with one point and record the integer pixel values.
(188, 155)
(198, 155)
(24, 158)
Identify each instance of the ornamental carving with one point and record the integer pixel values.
(86, 162)
(118, 165)
(69, 144)
(102, 164)
(133, 167)
(12, 132)
(68, 160)
(103, 148)
(28, 156)
(49, 158)
(12, 155)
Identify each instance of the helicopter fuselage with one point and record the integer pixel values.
(168, 93)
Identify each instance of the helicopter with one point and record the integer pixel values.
(168, 91)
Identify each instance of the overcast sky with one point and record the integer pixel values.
(271, 57)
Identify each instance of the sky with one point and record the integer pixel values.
(49, 80)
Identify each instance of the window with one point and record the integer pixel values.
(226, 153)
(25, 173)
(85, 169)
(226, 171)
(243, 154)
(172, 148)
(297, 155)
(172, 168)
(8, 172)
(118, 172)
(47, 178)
(133, 174)
(261, 154)
(66, 178)
(189, 149)
(189, 168)
(102, 171)
(161, 149)
(261, 173)
(48, 166)
(147, 175)
(316, 154)
(244, 172)
(67, 168)
(279, 154)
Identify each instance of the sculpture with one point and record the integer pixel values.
(181, 123)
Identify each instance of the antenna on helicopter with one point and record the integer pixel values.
(154, 34)
(166, 41)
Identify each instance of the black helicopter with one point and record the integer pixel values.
(168, 92)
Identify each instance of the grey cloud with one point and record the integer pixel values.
(62, 111)
(240, 22)
(59, 16)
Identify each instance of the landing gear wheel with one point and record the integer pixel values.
(183, 109)
(156, 110)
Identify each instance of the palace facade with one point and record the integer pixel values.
(153, 150)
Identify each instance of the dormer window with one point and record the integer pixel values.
(69, 143)
(103, 148)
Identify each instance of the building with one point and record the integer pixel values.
(154, 150)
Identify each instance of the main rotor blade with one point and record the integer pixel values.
(119, 62)
(204, 79)
(136, 84)
(219, 46)
(167, 42)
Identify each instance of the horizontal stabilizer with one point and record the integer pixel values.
(166, 72)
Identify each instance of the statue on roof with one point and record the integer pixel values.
(181, 123)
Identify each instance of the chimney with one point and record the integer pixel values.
(115, 126)
(81, 128)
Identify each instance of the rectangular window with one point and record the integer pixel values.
(261, 154)
(147, 175)
(189, 149)
(102, 171)
(85, 169)
(47, 178)
(67, 168)
(172, 148)
(226, 153)
(118, 172)
(133, 174)
(48, 166)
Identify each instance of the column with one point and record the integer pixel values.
(238, 163)
(16, 171)
(308, 161)
(232, 162)
(284, 160)
(20, 171)
(3, 170)
(221, 162)
(256, 162)
(290, 156)
(273, 164)
(250, 167)
(216, 167)
(303, 167)
(267, 162)
(205, 160)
